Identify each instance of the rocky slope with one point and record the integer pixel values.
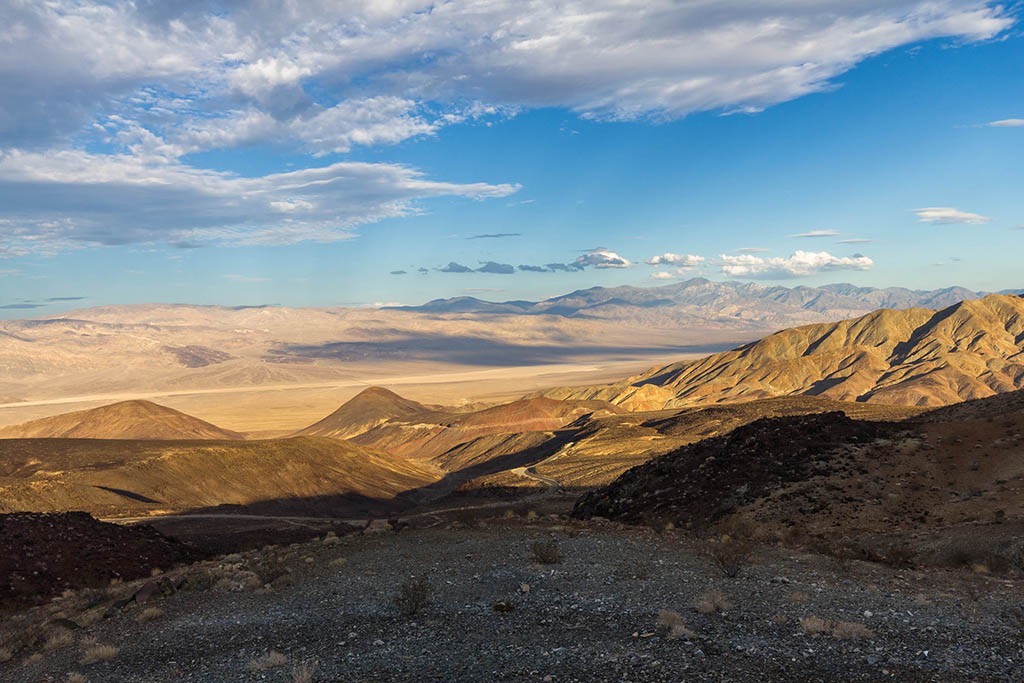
(945, 485)
(914, 356)
(124, 420)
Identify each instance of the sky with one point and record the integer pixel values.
(358, 153)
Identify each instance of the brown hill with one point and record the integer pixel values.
(949, 484)
(124, 420)
(919, 357)
(366, 410)
(109, 478)
(596, 449)
(431, 434)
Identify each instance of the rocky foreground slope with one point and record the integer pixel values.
(620, 605)
(946, 487)
(915, 356)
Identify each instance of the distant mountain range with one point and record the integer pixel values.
(703, 298)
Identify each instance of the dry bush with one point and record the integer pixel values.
(813, 625)
(303, 673)
(413, 595)
(98, 653)
(58, 639)
(545, 552)
(267, 661)
(75, 677)
(149, 614)
(729, 553)
(6, 654)
(711, 601)
(671, 625)
(851, 630)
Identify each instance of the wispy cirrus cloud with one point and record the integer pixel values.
(815, 233)
(947, 215)
(495, 235)
(799, 264)
(124, 199)
(1006, 123)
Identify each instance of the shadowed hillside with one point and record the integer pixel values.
(124, 420)
(138, 477)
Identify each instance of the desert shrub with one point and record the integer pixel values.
(58, 639)
(730, 554)
(266, 661)
(899, 556)
(545, 552)
(670, 624)
(98, 653)
(413, 595)
(6, 654)
(814, 625)
(149, 614)
(851, 630)
(303, 673)
(710, 602)
(75, 677)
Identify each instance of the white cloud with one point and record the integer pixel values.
(70, 62)
(856, 240)
(947, 215)
(682, 260)
(800, 264)
(127, 198)
(816, 233)
(1006, 123)
(752, 250)
(602, 258)
(662, 275)
(157, 81)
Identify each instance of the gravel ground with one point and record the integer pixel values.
(591, 617)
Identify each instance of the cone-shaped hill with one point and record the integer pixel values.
(137, 420)
(363, 412)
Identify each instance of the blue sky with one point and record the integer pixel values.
(331, 153)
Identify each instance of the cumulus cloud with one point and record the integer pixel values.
(800, 264)
(54, 201)
(496, 268)
(1006, 123)
(681, 260)
(947, 215)
(533, 269)
(662, 275)
(601, 258)
(816, 233)
(454, 267)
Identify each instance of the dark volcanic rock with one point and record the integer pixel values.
(702, 482)
(41, 555)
